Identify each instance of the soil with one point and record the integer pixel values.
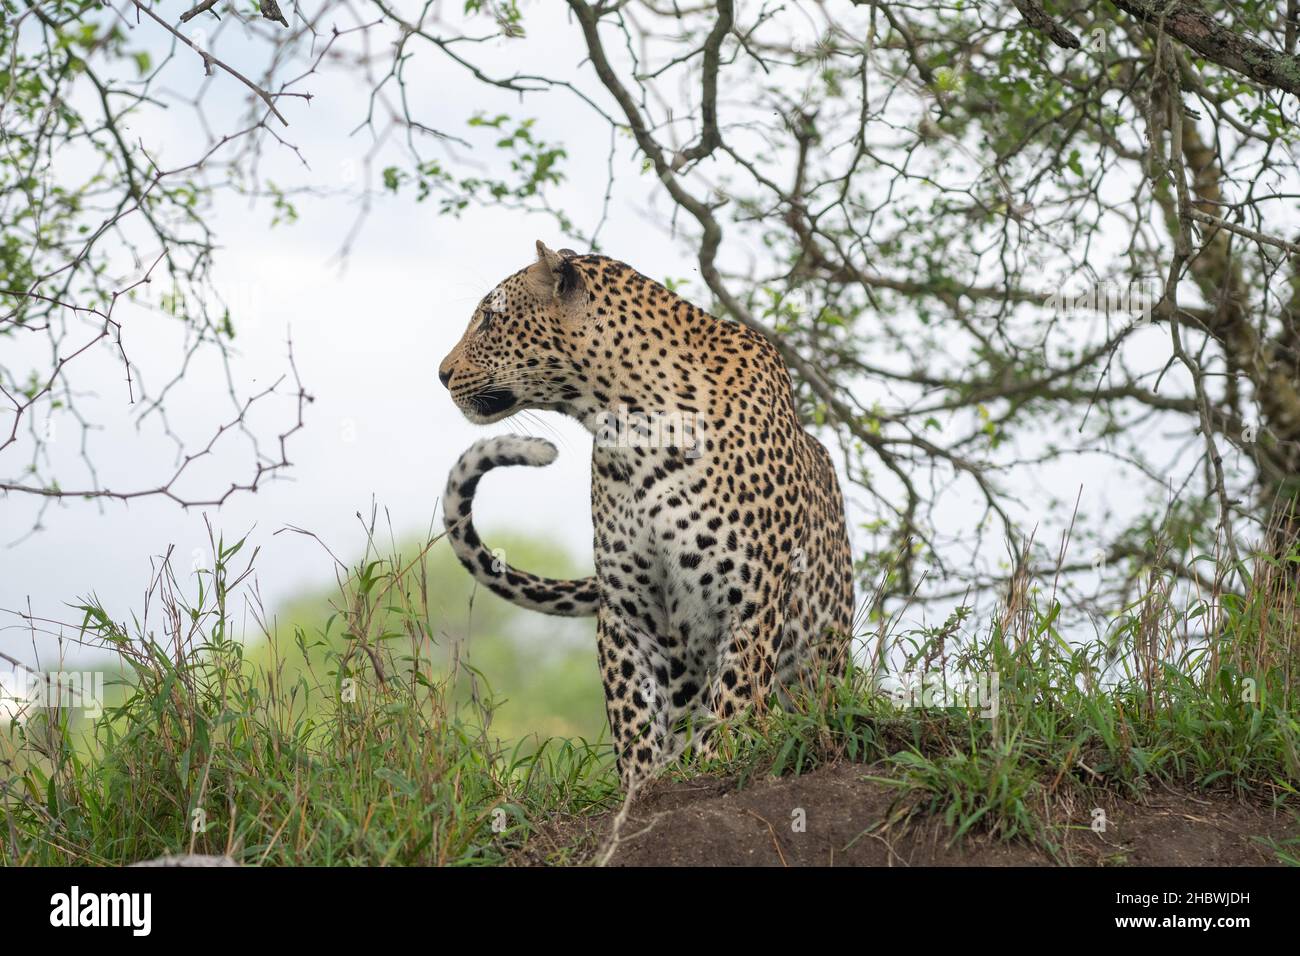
(850, 820)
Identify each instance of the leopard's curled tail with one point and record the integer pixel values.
(578, 597)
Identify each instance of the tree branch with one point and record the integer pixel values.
(1189, 24)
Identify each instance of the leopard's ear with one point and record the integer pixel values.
(560, 275)
(549, 258)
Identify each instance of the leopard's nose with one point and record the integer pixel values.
(444, 376)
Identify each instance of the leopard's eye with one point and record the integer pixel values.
(488, 316)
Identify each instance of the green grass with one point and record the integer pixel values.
(358, 733)
(543, 675)
(1140, 707)
(359, 739)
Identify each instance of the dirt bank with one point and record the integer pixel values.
(848, 820)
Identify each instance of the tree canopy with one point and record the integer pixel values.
(991, 240)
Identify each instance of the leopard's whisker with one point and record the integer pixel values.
(532, 416)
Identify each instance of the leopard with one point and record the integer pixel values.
(723, 571)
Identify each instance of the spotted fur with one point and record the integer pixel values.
(723, 570)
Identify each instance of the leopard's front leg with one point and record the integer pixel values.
(747, 665)
(635, 697)
(742, 678)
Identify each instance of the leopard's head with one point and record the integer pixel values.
(528, 342)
